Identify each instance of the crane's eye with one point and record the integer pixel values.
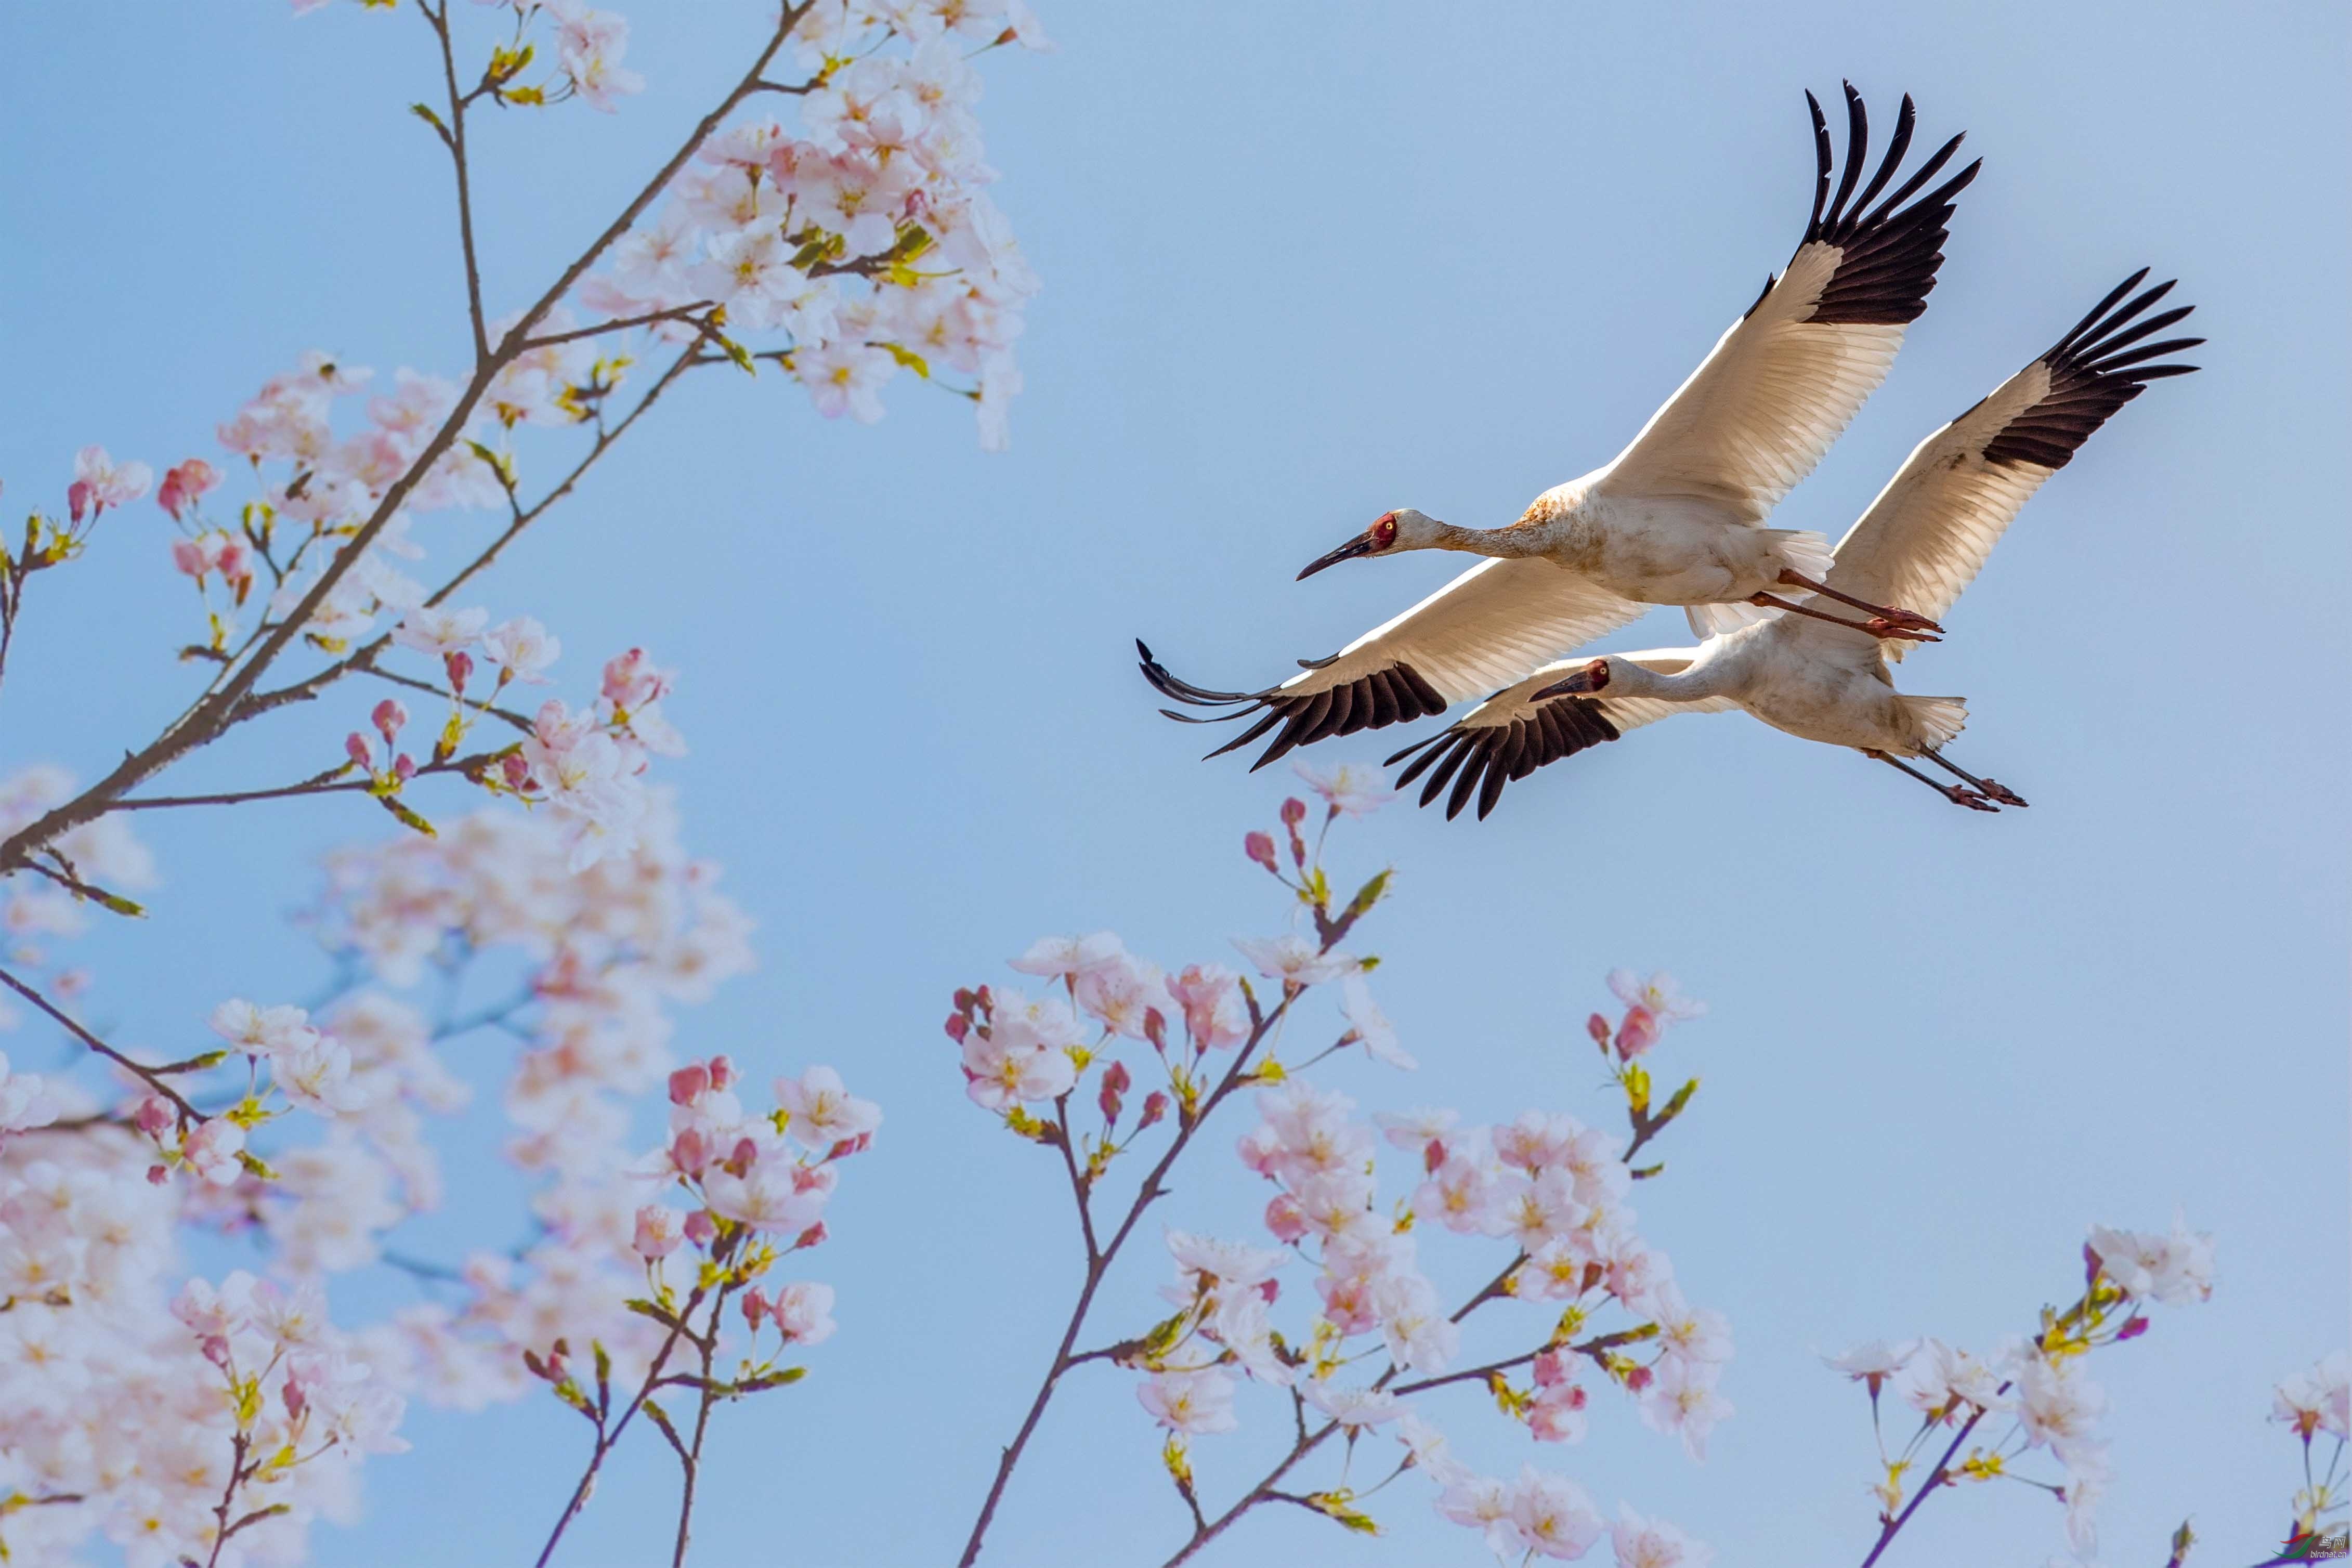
(1384, 530)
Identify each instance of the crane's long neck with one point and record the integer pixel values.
(1697, 682)
(1504, 543)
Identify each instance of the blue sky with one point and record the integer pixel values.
(1302, 264)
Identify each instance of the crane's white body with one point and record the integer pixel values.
(1817, 682)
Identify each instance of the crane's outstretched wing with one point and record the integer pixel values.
(1789, 375)
(1490, 625)
(1927, 535)
(1511, 734)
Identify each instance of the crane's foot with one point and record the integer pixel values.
(1996, 789)
(1960, 795)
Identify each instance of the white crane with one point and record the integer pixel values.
(1922, 541)
(1675, 519)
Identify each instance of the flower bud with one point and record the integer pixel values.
(460, 666)
(404, 767)
(1597, 1027)
(78, 496)
(1259, 846)
(814, 1235)
(723, 1072)
(1294, 812)
(355, 746)
(154, 1116)
(516, 769)
(1637, 1034)
(688, 1083)
(1155, 1106)
(389, 718)
(701, 1228)
(958, 1027)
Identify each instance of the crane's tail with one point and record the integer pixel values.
(1940, 720)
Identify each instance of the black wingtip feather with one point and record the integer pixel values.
(1888, 255)
(2095, 370)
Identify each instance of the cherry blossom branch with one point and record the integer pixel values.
(626, 323)
(608, 1432)
(216, 715)
(151, 1077)
(1099, 1262)
(363, 659)
(453, 138)
(1935, 1478)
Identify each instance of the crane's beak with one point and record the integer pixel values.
(1593, 678)
(1361, 545)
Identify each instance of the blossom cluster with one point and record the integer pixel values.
(2313, 1403)
(866, 240)
(2036, 1383)
(605, 949)
(165, 1423)
(1376, 1331)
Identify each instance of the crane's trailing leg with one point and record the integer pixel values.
(1877, 625)
(1905, 619)
(1956, 794)
(1992, 789)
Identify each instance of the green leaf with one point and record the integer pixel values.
(645, 1309)
(407, 817)
(426, 115)
(1370, 893)
(119, 904)
(909, 359)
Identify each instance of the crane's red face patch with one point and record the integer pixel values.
(1383, 531)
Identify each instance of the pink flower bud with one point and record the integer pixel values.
(236, 558)
(184, 483)
(517, 771)
(215, 1349)
(688, 1084)
(356, 745)
(78, 496)
(157, 1175)
(688, 1152)
(1115, 1083)
(701, 1228)
(814, 1235)
(1639, 1379)
(154, 1116)
(1638, 1033)
(295, 1399)
(1294, 812)
(1597, 1027)
(723, 1072)
(1259, 846)
(958, 1027)
(1155, 1106)
(460, 666)
(404, 767)
(389, 718)
(755, 1307)
(2132, 1330)
(1285, 1220)
(1433, 1156)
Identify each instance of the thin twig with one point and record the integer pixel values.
(151, 1077)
